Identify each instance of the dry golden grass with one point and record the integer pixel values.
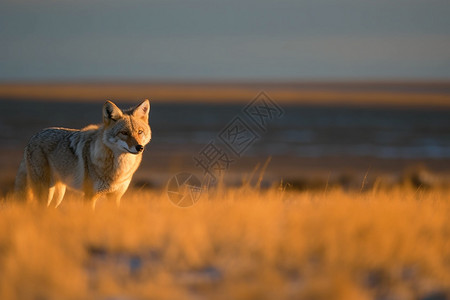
(241, 243)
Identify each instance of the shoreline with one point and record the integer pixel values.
(363, 93)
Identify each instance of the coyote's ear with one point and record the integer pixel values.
(142, 110)
(111, 112)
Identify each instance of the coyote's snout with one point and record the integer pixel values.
(97, 160)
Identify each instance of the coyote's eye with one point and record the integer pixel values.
(140, 131)
(124, 132)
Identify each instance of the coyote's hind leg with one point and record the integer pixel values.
(60, 190)
(56, 192)
(39, 177)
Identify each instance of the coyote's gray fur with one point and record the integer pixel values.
(97, 160)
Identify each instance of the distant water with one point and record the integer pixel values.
(317, 131)
(303, 131)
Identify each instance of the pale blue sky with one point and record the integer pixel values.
(228, 39)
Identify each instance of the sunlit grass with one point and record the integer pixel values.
(235, 243)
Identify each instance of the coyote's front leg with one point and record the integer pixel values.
(117, 195)
(91, 198)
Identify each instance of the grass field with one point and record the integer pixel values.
(345, 227)
(234, 243)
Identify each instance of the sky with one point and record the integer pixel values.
(224, 40)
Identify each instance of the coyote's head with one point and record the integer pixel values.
(126, 130)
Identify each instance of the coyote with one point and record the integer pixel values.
(97, 160)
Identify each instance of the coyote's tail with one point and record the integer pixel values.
(21, 186)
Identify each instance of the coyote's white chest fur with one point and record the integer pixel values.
(98, 159)
(111, 175)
